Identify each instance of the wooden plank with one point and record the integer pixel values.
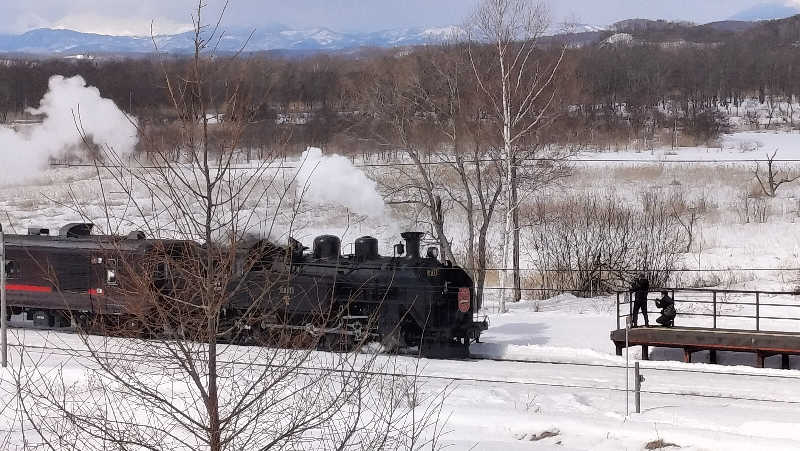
(769, 342)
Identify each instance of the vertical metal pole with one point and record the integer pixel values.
(758, 313)
(3, 308)
(673, 305)
(617, 310)
(637, 387)
(715, 310)
(630, 305)
(627, 367)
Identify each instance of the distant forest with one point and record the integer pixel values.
(663, 78)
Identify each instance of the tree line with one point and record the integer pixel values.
(632, 90)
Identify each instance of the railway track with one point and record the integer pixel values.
(760, 387)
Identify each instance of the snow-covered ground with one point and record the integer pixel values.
(580, 397)
(574, 386)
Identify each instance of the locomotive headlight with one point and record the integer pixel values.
(433, 252)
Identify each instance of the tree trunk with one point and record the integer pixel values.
(437, 214)
(504, 282)
(212, 405)
(516, 247)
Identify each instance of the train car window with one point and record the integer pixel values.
(111, 262)
(13, 270)
(111, 277)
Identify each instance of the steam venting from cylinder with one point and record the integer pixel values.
(413, 240)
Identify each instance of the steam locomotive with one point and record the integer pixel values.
(403, 301)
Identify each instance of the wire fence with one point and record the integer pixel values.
(75, 353)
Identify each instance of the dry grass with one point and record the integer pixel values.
(659, 444)
(638, 173)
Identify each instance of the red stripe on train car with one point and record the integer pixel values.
(29, 288)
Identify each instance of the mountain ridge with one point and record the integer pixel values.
(766, 11)
(274, 37)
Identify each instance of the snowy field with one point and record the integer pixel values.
(572, 393)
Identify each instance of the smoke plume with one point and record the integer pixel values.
(332, 179)
(25, 152)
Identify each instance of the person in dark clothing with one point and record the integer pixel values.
(639, 288)
(668, 313)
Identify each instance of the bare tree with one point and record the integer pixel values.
(172, 375)
(775, 177)
(448, 90)
(404, 123)
(687, 216)
(517, 76)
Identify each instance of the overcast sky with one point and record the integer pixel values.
(134, 16)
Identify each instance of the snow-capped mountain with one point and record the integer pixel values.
(766, 11)
(273, 37)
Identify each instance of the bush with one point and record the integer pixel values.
(707, 124)
(594, 243)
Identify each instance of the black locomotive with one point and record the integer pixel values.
(403, 301)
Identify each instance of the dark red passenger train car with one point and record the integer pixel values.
(71, 275)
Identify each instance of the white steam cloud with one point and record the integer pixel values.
(333, 179)
(25, 152)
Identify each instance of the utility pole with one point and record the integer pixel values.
(3, 307)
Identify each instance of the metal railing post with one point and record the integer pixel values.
(758, 313)
(3, 307)
(637, 387)
(673, 305)
(627, 368)
(715, 309)
(630, 304)
(617, 310)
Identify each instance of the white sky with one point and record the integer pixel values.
(135, 16)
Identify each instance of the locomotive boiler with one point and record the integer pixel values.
(406, 300)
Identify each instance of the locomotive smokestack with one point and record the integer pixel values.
(412, 243)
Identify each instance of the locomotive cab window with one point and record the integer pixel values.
(13, 270)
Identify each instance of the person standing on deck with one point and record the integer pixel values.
(639, 288)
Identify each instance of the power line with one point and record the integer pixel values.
(454, 162)
(572, 270)
(75, 352)
(302, 368)
(651, 368)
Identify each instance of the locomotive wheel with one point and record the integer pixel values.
(258, 336)
(86, 322)
(333, 342)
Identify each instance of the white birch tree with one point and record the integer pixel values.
(517, 75)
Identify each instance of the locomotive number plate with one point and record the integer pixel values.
(433, 272)
(464, 300)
